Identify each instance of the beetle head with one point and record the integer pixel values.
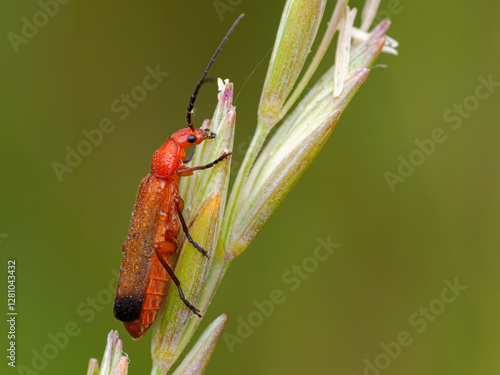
(187, 137)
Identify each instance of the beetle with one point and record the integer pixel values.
(156, 222)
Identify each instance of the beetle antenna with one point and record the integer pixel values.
(198, 85)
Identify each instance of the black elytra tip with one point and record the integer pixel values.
(127, 309)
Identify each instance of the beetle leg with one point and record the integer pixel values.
(186, 230)
(164, 247)
(189, 171)
(188, 159)
(177, 283)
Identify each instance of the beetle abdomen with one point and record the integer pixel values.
(143, 279)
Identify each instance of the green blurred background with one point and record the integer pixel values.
(396, 250)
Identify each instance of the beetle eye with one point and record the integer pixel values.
(192, 139)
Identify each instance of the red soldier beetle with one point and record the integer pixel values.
(156, 221)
